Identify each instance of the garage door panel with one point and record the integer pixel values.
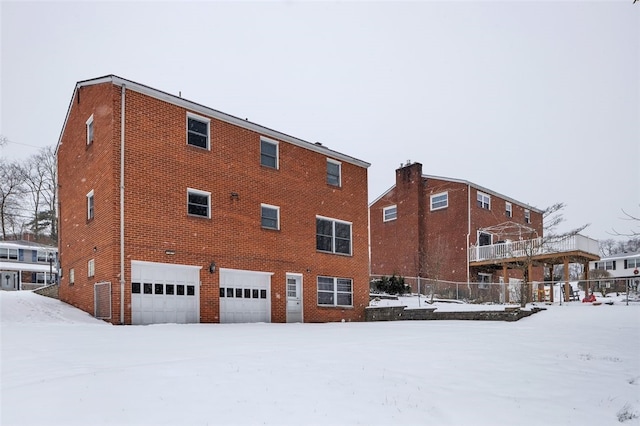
(245, 296)
(164, 293)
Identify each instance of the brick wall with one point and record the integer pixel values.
(159, 168)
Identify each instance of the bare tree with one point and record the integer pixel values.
(39, 175)
(434, 262)
(634, 219)
(11, 190)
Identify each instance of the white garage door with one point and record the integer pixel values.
(245, 296)
(164, 293)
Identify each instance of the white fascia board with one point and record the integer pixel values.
(486, 190)
(380, 197)
(192, 106)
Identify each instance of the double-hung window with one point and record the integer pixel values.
(198, 131)
(334, 169)
(91, 268)
(632, 263)
(198, 203)
(72, 276)
(270, 216)
(508, 209)
(90, 130)
(390, 213)
(7, 253)
(335, 291)
(333, 236)
(440, 201)
(527, 216)
(484, 200)
(90, 206)
(269, 153)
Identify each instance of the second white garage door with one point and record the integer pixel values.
(245, 296)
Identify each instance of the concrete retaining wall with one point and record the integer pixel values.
(400, 313)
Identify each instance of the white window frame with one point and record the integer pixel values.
(484, 199)
(633, 263)
(390, 213)
(334, 291)
(508, 209)
(7, 254)
(339, 164)
(72, 276)
(91, 268)
(527, 216)
(277, 145)
(200, 118)
(333, 235)
(439, 207)
(482, 284)
(91, 205)
(42, 256)
(90, 130)
(203, 193)
(277, 209)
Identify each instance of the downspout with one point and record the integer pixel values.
(122, 117)
(468, 227)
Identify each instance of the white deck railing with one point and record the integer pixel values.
(535, 247)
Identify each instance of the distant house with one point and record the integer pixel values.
(617, 271)
(172, 211)
(454, 230)
(25, 265)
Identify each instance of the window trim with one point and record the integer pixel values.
(277, 145)
(72, 276)
(199, 192)
(335, 292)
(480, 200)
(386, 209)
(339, 164)
(527, 216)
(440, 194)
(202, 119)
(91, 205)
(90, 130)
(333, 236)
(277, 209)
(508, 209)
(91, 268)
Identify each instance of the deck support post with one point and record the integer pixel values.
(565, 262)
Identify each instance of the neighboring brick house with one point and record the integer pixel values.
(27, 265)
(426, 226)
(213, 219)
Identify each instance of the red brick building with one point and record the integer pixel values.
(171, 211)
(427, 226)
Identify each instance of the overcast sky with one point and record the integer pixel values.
(539, 101)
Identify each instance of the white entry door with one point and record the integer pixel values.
(294, 298)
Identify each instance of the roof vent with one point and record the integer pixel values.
(318, 143)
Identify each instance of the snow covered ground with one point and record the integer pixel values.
(573, 364)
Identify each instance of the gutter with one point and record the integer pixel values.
(122, 117)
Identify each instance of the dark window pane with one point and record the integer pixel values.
(239, 293)
(268, 154)
(344, 299)
(169, 289)
(263, 294)
(324, 227)
(198, 204)
(148, 288)
(229, 292)
(159, 288)
(343, 246)
(135, 288)
(324, 243)
(197, 126)
(247, 293)
(255, 293)
(191, 290)
(221, 291)
(180, 289)
(269, 217)
(197, 133)
(333, 174)
(325, 298)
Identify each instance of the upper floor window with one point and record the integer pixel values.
(632, 263)
(198, 131)
(440, 201)
(333, 172)
(527, 216)
(90, 207)
(484, 201)
(508, 209)
(198, 203)
(90, 130)
(389, 213)
(72, 276)
(333, 236)
(270, 216)
(268, 153)
(11, 254)
(607, 265)
(91, 268)
(42, 256)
